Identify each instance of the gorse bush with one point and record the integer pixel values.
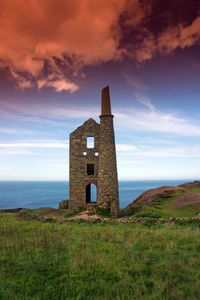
(98, 261)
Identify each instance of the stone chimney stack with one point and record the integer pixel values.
(105, 101)
(108, 197)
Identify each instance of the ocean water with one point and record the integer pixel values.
(32, 194)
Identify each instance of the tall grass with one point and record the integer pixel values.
(98, 261)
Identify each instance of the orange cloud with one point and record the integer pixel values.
(58, 38)
(59, 85)
(34, 31)
(179, 36)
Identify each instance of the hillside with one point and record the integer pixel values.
(167, 201)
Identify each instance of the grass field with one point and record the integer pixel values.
(98, 261)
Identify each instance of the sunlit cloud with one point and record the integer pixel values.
(22, 82)
(63, 85)
(44, 37)
(180, 36)
(147, 45)
(58, 84)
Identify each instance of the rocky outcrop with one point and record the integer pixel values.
(64, 204)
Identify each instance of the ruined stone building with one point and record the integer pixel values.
(93, 162)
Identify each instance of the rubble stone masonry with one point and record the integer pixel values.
(95, 165)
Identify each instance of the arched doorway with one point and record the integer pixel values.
(91, 193)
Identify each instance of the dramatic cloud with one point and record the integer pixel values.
(38, 37)
(59, 85)
(179, 36)
(151, 36)
(21, 80)
(58, 38)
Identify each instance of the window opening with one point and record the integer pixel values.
(84, 153)
(90, 142)
(96, 153)
(90, 169)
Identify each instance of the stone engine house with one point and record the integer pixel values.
(93, 162)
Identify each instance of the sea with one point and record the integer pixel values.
(35, 194)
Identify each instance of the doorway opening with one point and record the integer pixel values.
(91, 193)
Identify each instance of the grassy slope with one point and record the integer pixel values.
(165, 208)
(98, 261)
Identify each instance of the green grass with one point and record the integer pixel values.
(98, 261)
(70, 215)
(103, 212)
(169, 209)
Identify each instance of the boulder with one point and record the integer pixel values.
(64, 204)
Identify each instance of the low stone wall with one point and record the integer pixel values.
(97, 219)
(187, 219)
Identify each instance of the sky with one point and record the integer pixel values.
(55, 58)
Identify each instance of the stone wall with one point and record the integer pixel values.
(78, 176)
(108, 197)
(82, 161)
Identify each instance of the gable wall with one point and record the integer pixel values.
(78, 163)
